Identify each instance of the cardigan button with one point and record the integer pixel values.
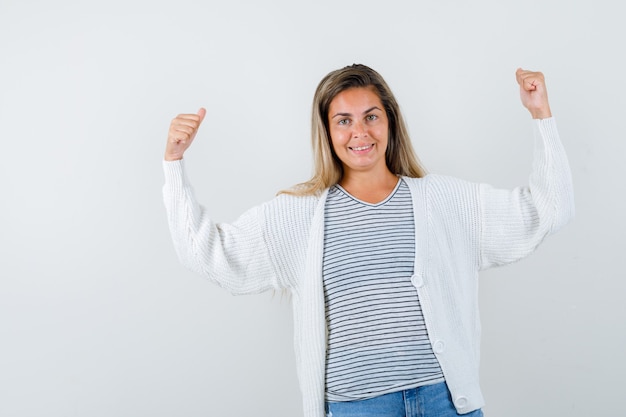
(439, 346)
(417, 280)
(461, 402)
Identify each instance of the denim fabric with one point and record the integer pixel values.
(427, 401)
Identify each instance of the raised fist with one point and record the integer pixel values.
(182, 131)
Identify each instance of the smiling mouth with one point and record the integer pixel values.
(361, 148)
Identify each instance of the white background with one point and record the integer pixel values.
(97, 318)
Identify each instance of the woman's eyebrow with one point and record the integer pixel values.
(350, 114)
(372, 108)
(342, 115)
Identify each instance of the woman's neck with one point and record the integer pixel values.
(369, 187)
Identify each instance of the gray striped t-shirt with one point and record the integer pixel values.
(377, 339)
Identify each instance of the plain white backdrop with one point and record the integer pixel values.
(97, 318)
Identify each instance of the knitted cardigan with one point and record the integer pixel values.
(460, 228)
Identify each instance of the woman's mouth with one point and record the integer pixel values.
(361, 148)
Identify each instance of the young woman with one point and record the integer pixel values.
(381, 259)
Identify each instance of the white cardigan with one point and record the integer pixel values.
(460, 228)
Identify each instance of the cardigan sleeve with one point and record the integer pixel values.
(513, 223)
(234, 256)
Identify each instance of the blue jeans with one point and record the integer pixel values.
(427, 401)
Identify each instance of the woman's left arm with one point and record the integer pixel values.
(514, 223)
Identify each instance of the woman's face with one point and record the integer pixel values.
(359, 129)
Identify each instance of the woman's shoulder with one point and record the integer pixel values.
(293, 198)
(291, 206)
(443, 187)
(287, 220)
(437, 180)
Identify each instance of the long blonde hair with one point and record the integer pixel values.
(328, 170)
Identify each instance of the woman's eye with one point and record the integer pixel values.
(371, 117)
(344, 121)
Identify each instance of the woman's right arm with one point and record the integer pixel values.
(235, 256)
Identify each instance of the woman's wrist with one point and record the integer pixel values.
(541, 113)
(171, 158)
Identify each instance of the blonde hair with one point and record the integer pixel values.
(328, 170)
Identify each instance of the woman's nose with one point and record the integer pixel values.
(358, 130)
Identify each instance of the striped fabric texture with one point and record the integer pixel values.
(377, 341)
